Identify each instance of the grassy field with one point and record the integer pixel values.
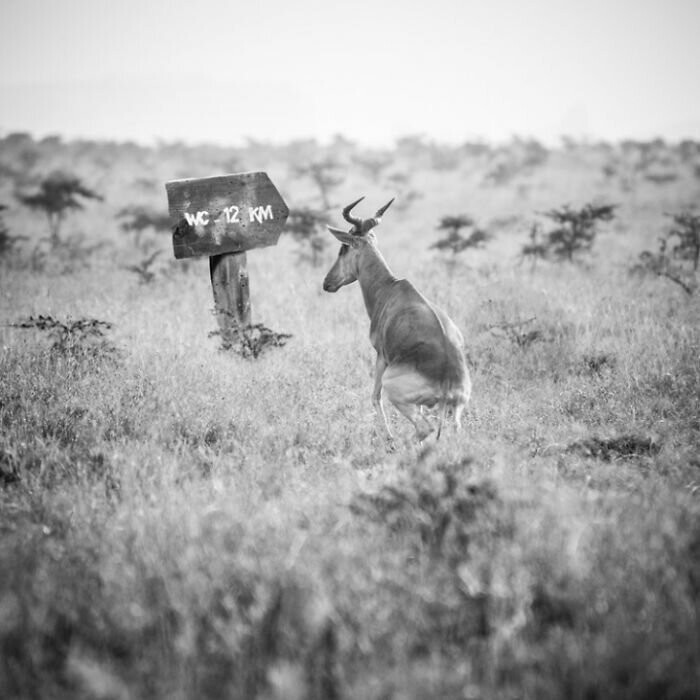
(181, 522)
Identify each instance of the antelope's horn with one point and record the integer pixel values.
(380, 212)
(357, 223)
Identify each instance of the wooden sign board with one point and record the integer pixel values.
(224, 214)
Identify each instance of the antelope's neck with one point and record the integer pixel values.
(375, 279)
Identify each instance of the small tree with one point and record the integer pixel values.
(576, 231)
(58, 194)
(455, 242)
(137, 218)
(536, 249)
(308, 226)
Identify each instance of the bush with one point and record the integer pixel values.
(85, 337)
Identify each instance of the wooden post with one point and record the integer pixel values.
(222, 217)
(229, 283)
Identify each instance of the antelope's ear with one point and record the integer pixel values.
(343, 236)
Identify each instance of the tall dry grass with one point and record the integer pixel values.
(179, 522)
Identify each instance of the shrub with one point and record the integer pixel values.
(81, 338)
(250, 342)
(437, 501)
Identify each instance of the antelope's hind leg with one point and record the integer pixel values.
(407, 390)
(377, 397)
(415, 415)
(458, 409)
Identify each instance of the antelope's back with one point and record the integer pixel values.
(416, 333)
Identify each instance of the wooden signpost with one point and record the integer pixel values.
(223, 217)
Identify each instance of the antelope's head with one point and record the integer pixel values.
(345, 269)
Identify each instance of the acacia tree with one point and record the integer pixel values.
(454, 241)
(576, 230)
(536, 249)
(58, 194)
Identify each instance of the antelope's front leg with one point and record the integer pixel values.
(377, 395)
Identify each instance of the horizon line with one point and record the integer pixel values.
(324, 141)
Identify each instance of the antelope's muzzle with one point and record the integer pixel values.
(328, 286)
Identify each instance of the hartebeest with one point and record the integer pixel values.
(420, 360)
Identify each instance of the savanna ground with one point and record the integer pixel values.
(181, 522)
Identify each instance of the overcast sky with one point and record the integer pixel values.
(218, 70)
